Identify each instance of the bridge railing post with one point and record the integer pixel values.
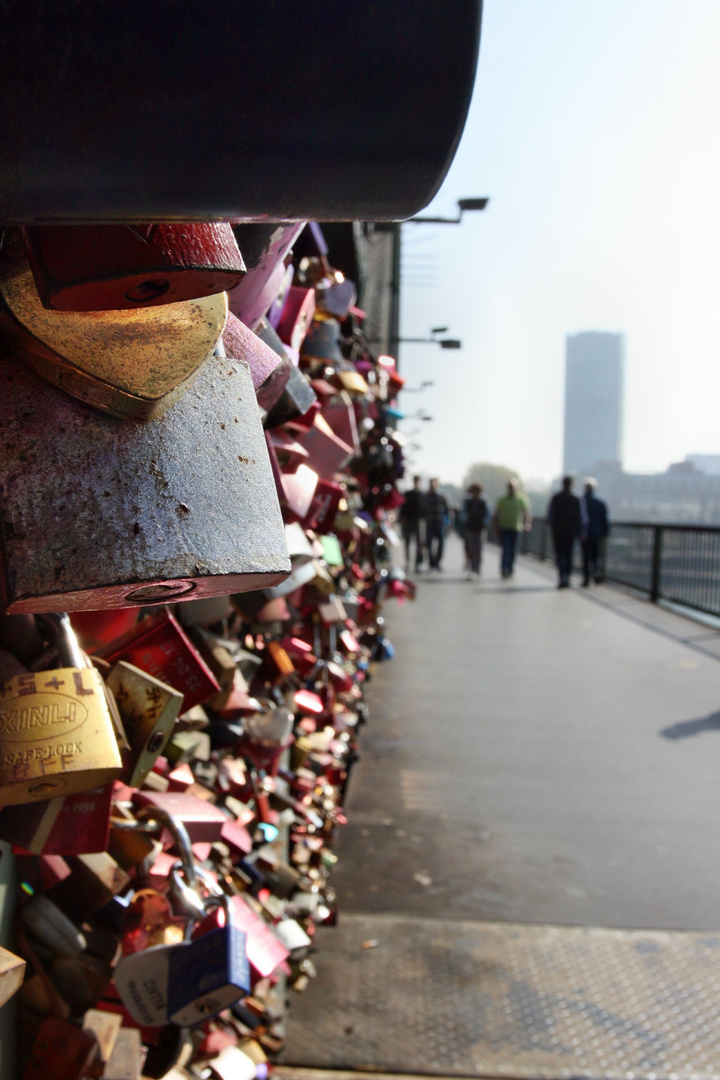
(656, 563)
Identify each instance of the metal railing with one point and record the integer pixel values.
(680, 563)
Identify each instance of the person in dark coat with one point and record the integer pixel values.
(475, 516)
(595, 527)
(436, 514)
(411, 515)
(565, 523)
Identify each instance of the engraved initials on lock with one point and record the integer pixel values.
(56, 733)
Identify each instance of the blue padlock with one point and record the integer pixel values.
(208, 975)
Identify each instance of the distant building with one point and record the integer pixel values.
(706, 463)
(681, 495)
(594, 384)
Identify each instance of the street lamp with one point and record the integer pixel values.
(444, 343)
(416, 389)
(462, 205)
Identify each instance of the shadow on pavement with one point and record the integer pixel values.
(686, 728)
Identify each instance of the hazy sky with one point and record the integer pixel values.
(594, 130)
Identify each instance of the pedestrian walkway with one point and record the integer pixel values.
(534, 758)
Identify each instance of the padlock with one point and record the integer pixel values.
(324, 505)
(128, 1055)
(149, 921)
(28, 825)
(322, 342)
(97, 513)
(148, 710)
(335, 295)
(202, 821)
(278, 666)
(159, 646)
(288, 450)
(52, 927)
(241, 343)
(94, 880)
(276, 308)
(296, 400)
(105, 1026)
(132, 364)
(327, 451)
(142, 980)
(266, 735)
(56, 732)
(340, 415)
(265, 951)
(141, 977)
(111, 267)
(220, 662)
(264, 247)
(77, 824)
(12, 971)
(349, 381)
(296, 316)
(61, 1051)
(270, 391)
(236, 1063)
(332, 551)
(188, 746)
(208, 974)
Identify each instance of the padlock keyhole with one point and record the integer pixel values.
(160, 594)
(147, 290)
(155, 742)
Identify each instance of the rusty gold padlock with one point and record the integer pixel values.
(129, 363)
(12, 971)
(148, 709)
(56, 732)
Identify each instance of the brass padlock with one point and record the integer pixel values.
(56, 732)
(129, 363)
(12, 970)
(148, 709)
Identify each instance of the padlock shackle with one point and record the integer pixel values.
(179, 834)
(58, 624)
(189, 897)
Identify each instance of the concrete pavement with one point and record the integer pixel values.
(537, 755)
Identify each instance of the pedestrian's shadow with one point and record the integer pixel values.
(516, 588)
(686, 728)
(437, 579)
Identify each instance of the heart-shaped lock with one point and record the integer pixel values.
(129, 363)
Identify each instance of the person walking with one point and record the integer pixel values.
(595, 528)
(475, 516)
(435, 511)
(566, 526)
(512, 517)
(411, 515)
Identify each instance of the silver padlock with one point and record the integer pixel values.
(100, 513)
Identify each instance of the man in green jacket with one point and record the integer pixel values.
(512, 516)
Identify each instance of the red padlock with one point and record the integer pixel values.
(113, 267)
(159, 646)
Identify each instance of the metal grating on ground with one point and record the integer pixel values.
(510, 1000)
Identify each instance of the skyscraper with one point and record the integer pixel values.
(594, 384)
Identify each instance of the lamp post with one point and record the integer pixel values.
(444, 343)
(464, 206)
(416, 389)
